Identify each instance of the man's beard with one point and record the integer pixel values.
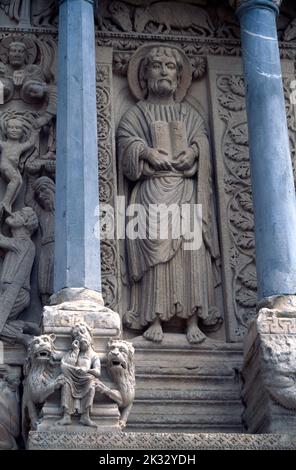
(162, 87)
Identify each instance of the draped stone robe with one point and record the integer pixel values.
(166, 279)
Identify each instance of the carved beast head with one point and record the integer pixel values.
(121, 15)
(120, 357)
(41, 350)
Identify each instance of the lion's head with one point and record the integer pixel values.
(41, 350)
(120, 360)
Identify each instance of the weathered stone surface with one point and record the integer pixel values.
(27, 142)
(40, 196)
(72, 306)
(75, 295)
(187, 388)
(9, 407)
(236, 213)
(15, 276)
(269, 370)
(42, 378)
(179, 386)
(77, 370)
(161, 441)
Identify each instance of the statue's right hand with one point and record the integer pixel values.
(158, 158)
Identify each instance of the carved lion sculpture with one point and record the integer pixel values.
(42, 377)
(120, 365)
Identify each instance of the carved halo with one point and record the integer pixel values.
(134, 68)
(31, 48)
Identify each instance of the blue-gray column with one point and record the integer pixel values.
(271, 168)
(77, 253)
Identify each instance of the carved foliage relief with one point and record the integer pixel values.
(107, 172)
(237, 187)
(235, 192)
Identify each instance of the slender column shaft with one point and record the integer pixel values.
(77, 252)
(270, 159)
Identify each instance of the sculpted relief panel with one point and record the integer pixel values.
(107, 175)
(26, 13)
(201, 18)
(27, 170)
(234, 187)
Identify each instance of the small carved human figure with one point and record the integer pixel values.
(164, 152)
(40, 196)
(81, 367)
(19, 254)
(21, 77)
(11, 151)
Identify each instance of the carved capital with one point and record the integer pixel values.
(255, 3)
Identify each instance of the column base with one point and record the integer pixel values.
(74, 305)
(269, 370)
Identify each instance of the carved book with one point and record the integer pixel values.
(169, 136)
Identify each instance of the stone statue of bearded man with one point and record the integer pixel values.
(164, 149)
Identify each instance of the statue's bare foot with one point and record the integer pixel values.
(154, 332)
(86, 421)
(194, 334)
(65, 421)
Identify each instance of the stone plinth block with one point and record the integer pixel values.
(269, 370)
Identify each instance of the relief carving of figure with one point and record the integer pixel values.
(163, 147)
(20, 77)
(19, 254)
(81, 367)
(168, 15)
(9, 408)
(40, 196)
(12, 148)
